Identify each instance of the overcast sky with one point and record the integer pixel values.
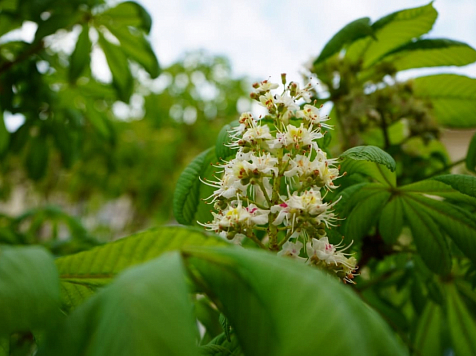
(267, 37)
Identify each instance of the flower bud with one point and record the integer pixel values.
(283, 78)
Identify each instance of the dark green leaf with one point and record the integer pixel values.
(391, 220)
(121, 74)
(471, 156)
(452, 96)
(126, 14)
(277, 292)
(462, 183)
(444, 189)
(55, 22)
(188, 206)
(431, 53)
(36, 160)
(348, 34)
(4, 135)
(79, 59)
(428, 238)
(29, 289)
(83, 272)
(429, 329)
(223, 139)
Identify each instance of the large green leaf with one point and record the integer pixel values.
(428, 238)
(462, 183)
(126, 14)
(121, 74)
(391, 220)
(277, 306)
(462, 326)
(145, 311)
(82, 273)
(188, 204)
(470, 156)
(431, 53)
(429, 331)
(79, 59)
(29, 289)
(372, 161)
(453, 98)
(137, 48)
(348, 34)
(455, 222)
(398, 28)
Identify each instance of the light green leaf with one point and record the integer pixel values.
(391, 220)
(82, 273)
(462, 183)
(372, 161)
(79, 59)
(125, 14)
(397, 29)
(429, 330)
(455, 222)
(430, 53)
(461, 325)
(348, 34)
(29, 289)
(428, 238)
(189, 191)
(365, 214)
(223, 139)
(121, 74)
(137, 48)
(97, 119)
(4, 135)
(4, 346)
(452, 96)
(277, 293)
(146, 311)
(470, 156)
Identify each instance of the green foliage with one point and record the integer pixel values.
(471, 156)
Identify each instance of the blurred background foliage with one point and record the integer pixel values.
(90, 155)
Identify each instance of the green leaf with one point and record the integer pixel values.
(470, 156)
(79, 59)
(121, 74)
(428, 238)
(452, 96)
(97, 119)
(397, 29)
(4, 135)
(56, 21)
(277, 292)
(126, 14)
(431, 53)
(391, 220)
(137, 48)
(145, 311)
(455, 222)
(223, 139)
(29, 289)
(372, 161)
(365, 214)
(4, 346)
(82, 273)
(462, 183)
(462, 327)
(36, 160)
(351, 196)
(429, 330)
(188, 204)
(348, 34)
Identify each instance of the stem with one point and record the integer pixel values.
(261, 185)
(33, 49)
(252, 236)
(286, 238)
(273, 229)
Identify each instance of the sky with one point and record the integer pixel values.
(264, 38)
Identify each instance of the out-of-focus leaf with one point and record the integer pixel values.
(348, 34)
(276, 291)
(97, 119)
(29, 289)
(397, 29)
(452, 96)
(4, 135)
(79, 59)
(471, 156)
(36, 160)
(428, 238)
(126, 14)
(55, 22)
(391, 220)
(121, 74)
(83, 272)
(145, 311)
(429, 329)
(188, 206)
(462, 326)
(431, 53)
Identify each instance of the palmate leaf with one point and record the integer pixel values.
(188, 204)
(430, 53)
(82, 273)
(145, 311)
(391, 220)
(371, 161)
(397, 29)
(429, 331)
(29, 289)
(462, 183)
(452, 96)
(470, 156)
(277, 292)
(80, 57)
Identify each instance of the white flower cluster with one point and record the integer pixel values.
(271, 191)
